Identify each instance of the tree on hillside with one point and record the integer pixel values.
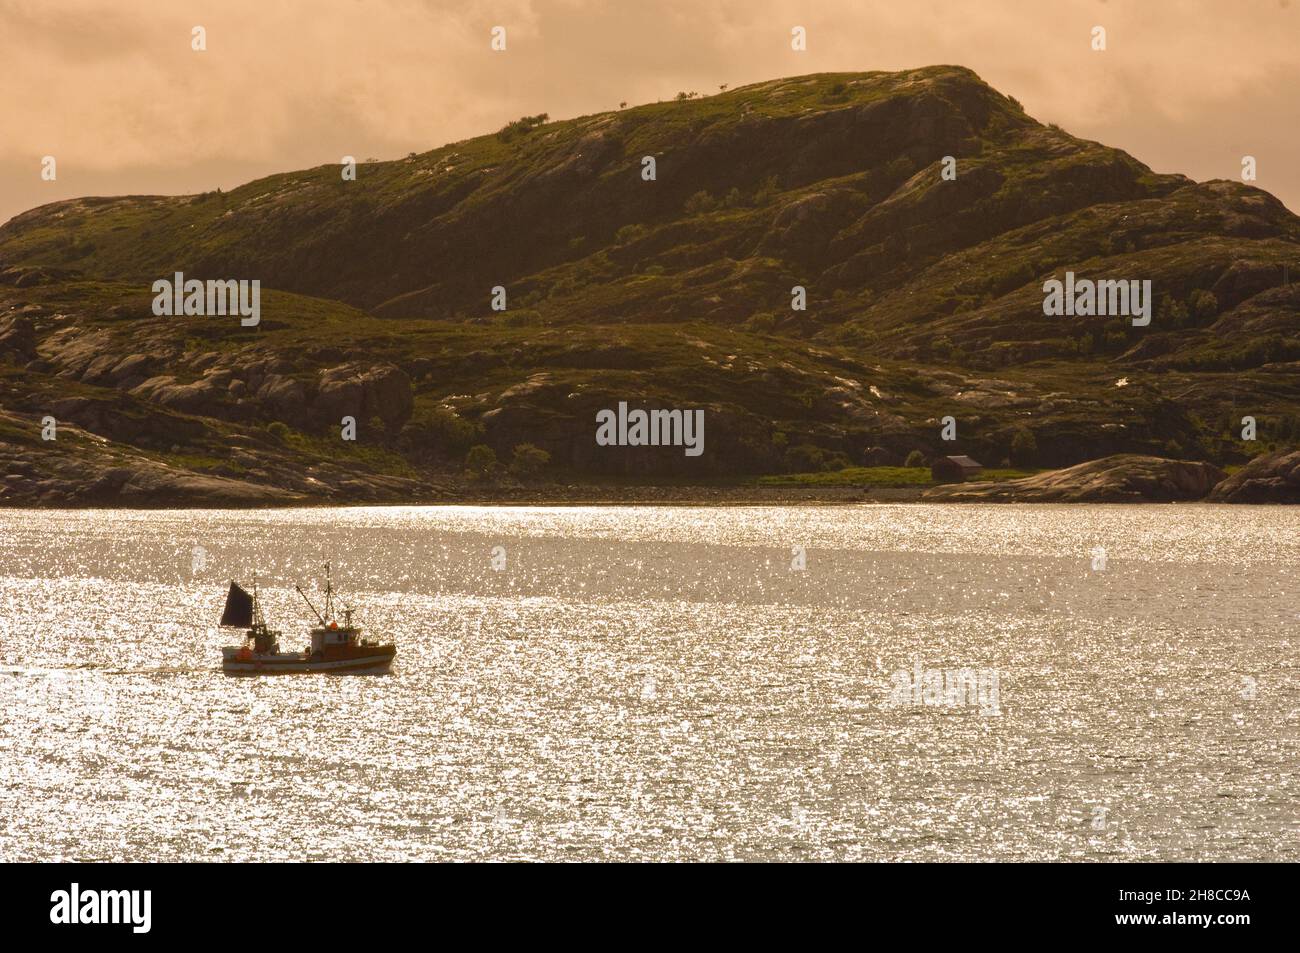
(528, 461)
(1024, 449)
(481, 462)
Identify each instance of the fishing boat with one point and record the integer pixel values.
(334, 648)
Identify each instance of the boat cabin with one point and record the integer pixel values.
(333, 635)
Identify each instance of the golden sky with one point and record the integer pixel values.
(115, 93)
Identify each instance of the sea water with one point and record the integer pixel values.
(666, 682)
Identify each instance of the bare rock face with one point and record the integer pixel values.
(18, 337)
(1270, 478)
(156, 487)
(355, 391)
(99, 369)
(283, 398)
(196, 398)
(340, 395)
(146, 389)
(591, 153)
(387, 393)
(27, 277)
(1123, 478)
(133, 365)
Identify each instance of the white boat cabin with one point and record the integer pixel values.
(333, 634)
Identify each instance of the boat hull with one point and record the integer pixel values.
(375, 661)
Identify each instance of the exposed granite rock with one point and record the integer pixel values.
(156, 487)
(26, 277)
(1123, 478)
(133, 365)
(99, 370)
(1270, 478)
(54, 476)
(383, 391)
(196, 398)
(145, 390)
(387, 393)
(284, 398)
(18, 338)
(340, 395)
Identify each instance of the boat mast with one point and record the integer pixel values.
(258, 621)
(329, 594)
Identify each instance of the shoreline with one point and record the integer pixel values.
(545, 496)
(624, 496)
(1119, 478)
(693, 495)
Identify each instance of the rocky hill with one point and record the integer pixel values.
(924, 300)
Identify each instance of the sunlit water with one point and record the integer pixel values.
(658, 682)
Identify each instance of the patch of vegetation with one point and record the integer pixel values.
(520, 127)
(882, 477)
(481, 463)
(528, 461)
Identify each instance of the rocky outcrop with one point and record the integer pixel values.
(387, 393)
(196, 398)
(355, 391)
(18, 338)
(1271, 478)
(284, 398)
(132, 367)
(1123, 478)
(156, 487)
(340, 395)
(102, 475)
(147, 388)
(26, 277)
(202, 397)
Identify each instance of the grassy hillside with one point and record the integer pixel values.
(924, 300)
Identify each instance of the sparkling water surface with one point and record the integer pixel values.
(658, 683)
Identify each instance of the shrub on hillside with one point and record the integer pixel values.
(521, 126)
(1024, 449)
(481, 462)
(1203, 305)
(528, 461)
(804, 458)
(700, 202)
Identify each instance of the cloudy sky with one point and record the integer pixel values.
(116, 94)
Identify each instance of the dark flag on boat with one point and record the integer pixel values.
(239, 607)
